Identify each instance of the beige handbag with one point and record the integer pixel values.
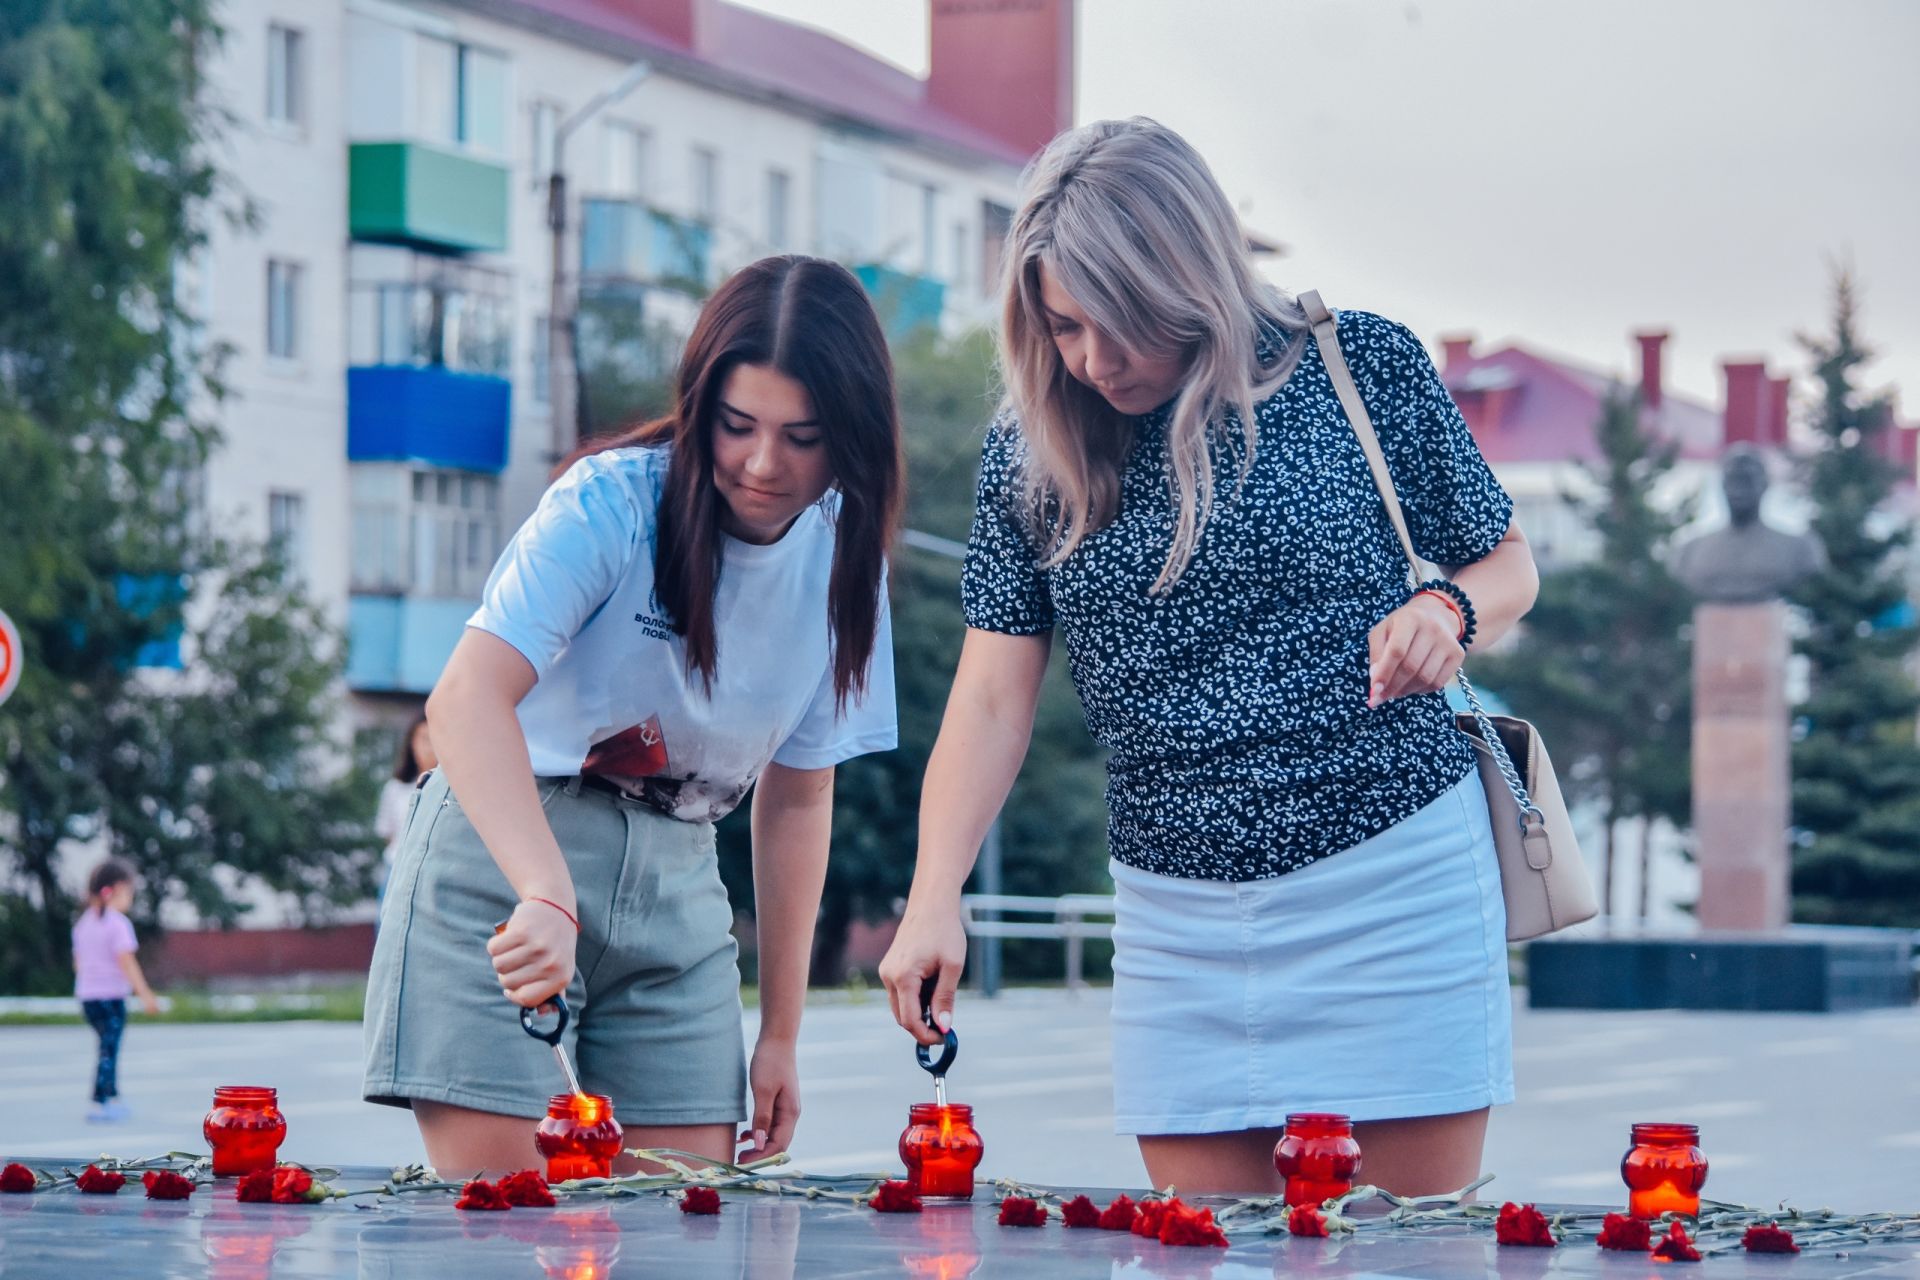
(1542, 876)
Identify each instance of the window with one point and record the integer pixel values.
(460, 94)
(706, 185)
(541, 349)
(283, 309)
(483, 100)
(623, 166)
(779, 201)
(286, 76)
(929, 231)
(546, 123)
(423, 532)
(420, 309)
(287, 530)
(962, 249)
(436, 89)
(996, 222)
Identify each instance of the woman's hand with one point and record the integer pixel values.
(533, 953)
(774, 1077)
(1414, 649)
(928, 944)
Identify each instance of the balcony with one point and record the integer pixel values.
(628, 240)
(398, 644)
(416, 194)
(428, 413)
(904, 301)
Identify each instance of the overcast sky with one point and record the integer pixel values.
(1553, 172)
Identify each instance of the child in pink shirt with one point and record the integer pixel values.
(105, 973)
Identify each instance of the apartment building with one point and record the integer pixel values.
(388, 312)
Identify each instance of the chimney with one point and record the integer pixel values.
(1456, 350)
(677, 20)
(1779, 397)
(1004, 66)
(1651, 388)
(1747, 415)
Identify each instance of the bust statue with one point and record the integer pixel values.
(1749, 561)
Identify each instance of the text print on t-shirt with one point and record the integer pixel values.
(655, 628)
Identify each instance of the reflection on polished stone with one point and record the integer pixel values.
(755, 1237)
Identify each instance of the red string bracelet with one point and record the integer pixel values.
(562, 910)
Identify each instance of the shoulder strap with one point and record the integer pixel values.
(1328, 337)
(1532, 820)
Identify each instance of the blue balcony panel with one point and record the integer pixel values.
(905, 302)
(398, 644)
(416, 413)
(143, 595)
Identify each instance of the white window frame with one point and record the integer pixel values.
(284, 322)
(286, 107)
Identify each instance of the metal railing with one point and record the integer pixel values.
(1070, 922)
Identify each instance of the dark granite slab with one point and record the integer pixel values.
(1802, 968)
(62, 1234)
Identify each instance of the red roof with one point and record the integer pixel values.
(760, 55)
(1525, 407)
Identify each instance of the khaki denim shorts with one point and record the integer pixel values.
(655, 997)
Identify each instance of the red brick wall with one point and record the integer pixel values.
(195, 955)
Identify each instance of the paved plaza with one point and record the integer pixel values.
(1813, 1109)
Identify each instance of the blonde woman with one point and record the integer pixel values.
(1308, 907)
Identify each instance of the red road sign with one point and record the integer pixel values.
(11, 656)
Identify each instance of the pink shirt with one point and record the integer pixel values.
(100, 938)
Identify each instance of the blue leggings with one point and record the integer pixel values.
(108, 1018)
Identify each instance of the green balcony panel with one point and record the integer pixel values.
(411, 193)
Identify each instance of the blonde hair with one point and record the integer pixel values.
(1127, 219)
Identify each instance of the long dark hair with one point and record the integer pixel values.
(406, 765)
(809, 319)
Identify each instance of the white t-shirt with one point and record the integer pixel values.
(573, 592)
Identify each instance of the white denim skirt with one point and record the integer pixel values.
(1371, 983)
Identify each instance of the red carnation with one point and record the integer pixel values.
(164, 1184)
(700, 1200)
(291, 1185)
(1147, 1220)
(255, 1187)
(1118, 1216)
(895, 1197)
(17, 1179)
(1676, 1247)
(96, 1181)
(1523, 1225)
(1080, 1212)
(526, 1189)
(1306, 1220)
(1769, 1239)
(1018, 1211)
(481, 1195)
(1190, 1225)
(1624, 1234)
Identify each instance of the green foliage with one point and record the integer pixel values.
(626, 360)
(1603, 665)
(103, 158)
(1856, 789)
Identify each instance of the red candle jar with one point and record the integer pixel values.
(1318, 1156)
(245, 1129)
(579, 1137)
(941, 1149)
(1664, 1170)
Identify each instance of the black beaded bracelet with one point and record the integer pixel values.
(1452, 590)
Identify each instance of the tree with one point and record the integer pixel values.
(1856, 788)
(1603, 664)
(104, 381)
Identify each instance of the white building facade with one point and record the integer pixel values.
(387, 417)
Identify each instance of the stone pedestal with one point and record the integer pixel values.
(1741, 778)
